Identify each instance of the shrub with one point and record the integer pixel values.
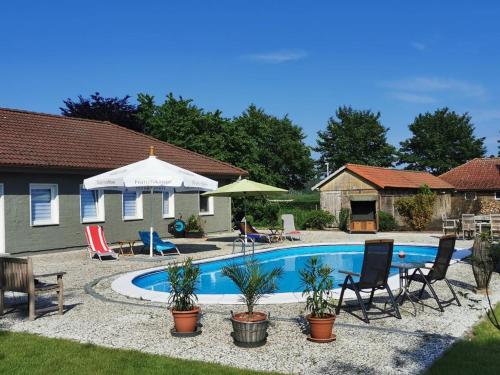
(318, 219)
(194, 224)
(416, 211)
(386, 222)
(344, 216)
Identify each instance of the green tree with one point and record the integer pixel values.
(275, 150)
(354, 136)
(441, 140)
(272, 149)
(180, 122)
(116, 110)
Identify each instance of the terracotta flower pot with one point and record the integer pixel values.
(186, 321)
(321, 328)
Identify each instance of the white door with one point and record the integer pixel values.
(2, 220)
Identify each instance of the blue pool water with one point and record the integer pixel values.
(340, 257)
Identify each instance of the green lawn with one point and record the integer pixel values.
(478, 354)
(22, 353)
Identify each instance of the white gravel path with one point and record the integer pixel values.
(96, 314)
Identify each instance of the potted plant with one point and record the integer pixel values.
(250, 327)
(194, 228)
(318, 283)
(183, 279)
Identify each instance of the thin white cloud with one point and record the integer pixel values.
(486, 115)
(277, 57)
(413, 98)
(419, 46)
(433, 84)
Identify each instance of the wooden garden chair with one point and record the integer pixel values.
(16, 275)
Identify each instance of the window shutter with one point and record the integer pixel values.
(130, 204)
(41, 207)
(89, 204)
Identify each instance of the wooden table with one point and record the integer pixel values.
(123, 248)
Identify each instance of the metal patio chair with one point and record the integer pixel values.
(438, 270)
(374, 274)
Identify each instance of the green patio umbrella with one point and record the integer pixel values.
(245, 188)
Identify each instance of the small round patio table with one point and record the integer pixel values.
(404, 292)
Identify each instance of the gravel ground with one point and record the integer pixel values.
(96, 314)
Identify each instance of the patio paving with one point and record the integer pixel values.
(96, 314)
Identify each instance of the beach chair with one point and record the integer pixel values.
(495, 225)
(159, 246)
(253, 233)
(374, 275)
(97, 244)
(438, 270)
(468, 225)
(16, 275)
(289, 230)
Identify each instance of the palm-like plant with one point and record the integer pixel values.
(318, 283)
(252, 282)
(183, 279)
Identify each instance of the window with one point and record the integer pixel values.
(497, 195)
(44, 204)
(470, 196)
(168, 204)
(206, 205)
(91, 205)
(132, 205)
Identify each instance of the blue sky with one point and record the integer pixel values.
(300, 58)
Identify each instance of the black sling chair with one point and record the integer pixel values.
(438, 270)
(374, 274)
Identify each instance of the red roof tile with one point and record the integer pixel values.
(396, 178)
(30, 139)
(477, 174)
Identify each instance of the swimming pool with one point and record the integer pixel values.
(214, 288)
(339, 257)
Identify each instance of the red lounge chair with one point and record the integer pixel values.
(97, 243)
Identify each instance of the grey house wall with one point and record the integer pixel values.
(20, 236)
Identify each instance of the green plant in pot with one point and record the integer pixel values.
(317, 282)
(194, 228)
(183, 279)
(250, 327)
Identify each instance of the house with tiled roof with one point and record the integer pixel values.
(45, 158)
(477, 186)
(367, 190)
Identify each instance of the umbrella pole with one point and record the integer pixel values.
(151, 227)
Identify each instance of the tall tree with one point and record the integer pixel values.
(116, 110)
(272, 149)
(354, 136)
(441, 140)
(276, 153)
(180, 122)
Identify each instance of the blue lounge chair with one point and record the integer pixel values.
(159, 245)
(253, 233)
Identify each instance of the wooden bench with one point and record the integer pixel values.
(16, 275)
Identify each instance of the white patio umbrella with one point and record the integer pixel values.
(151, 174)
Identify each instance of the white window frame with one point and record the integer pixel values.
(138, 208)
(496, 195)
(171, 204)
(101, 217)
(210, 205)
(54, 205)
(470, 192)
